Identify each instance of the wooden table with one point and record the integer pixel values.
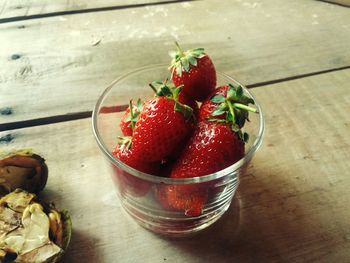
(294, 203)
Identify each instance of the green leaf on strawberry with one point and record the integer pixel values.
(162, 89)
(131, 115)
(233, 109)
(221, 109)
(218, 98)
(124, 141)
(181, 60)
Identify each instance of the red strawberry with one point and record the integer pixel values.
(215, 144)
(213, 147)
(195, 71)
(130, 117)
(127, 182)
(193, 104)
(187, 198)
(162, 125)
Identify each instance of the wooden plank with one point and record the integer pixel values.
(20, 8)
(292, 206)
(67, 61)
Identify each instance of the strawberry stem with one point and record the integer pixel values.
(153, 88)
(132, 123)
(179, 50)
(232, 111)
(244, 107)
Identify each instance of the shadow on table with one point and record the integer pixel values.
(82, 249)
(264, 223)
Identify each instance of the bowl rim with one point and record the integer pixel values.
(158, 179)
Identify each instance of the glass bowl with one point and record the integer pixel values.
(138, 191)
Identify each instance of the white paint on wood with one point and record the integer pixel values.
(62, 71)
(15, 8)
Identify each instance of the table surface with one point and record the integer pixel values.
(293, 203)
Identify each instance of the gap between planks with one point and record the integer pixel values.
(89, 10)
(339, 3)
(87, 114)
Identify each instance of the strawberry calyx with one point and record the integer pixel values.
(162, 89)
(134, 114)
(235, 109)
(181, 60)
(124, 142)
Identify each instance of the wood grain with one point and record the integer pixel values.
(60, 65)
(292, 205)
(19, 8)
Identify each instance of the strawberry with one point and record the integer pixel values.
(129, 183)
(228, 104)
(194, 70)
(217, 143)
(212, 147)
(130, 117)
(187, 198)
(163, 124)
(193, 104)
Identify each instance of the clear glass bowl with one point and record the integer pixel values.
(139, 192)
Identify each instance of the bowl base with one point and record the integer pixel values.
(171, 227)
